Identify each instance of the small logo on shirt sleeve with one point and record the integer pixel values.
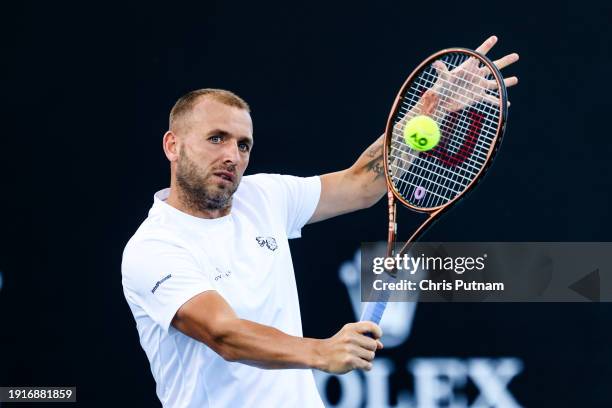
(268, 242)
(165, 278)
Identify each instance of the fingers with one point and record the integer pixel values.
(487, 45)
(353, 347)
(368, 328)
(511, 81)
(507, 60)
(367, 343)
(362, 353)
(493, 100)
(363, 359)
(441, 69)
(363, 364)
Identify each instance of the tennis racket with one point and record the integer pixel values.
(464, 92)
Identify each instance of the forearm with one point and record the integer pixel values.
(209, 319)
(368, 174)
(266, 347)
(363, 184)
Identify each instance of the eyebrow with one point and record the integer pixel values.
(222, 132)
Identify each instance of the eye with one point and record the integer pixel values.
(244, 147)
(216, 139)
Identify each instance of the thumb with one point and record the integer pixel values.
(441, 69)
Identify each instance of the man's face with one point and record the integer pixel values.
(215, 142)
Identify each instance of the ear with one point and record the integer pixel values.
(170, 144)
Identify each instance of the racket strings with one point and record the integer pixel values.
(438, 180)
(445, 91)
(429, 77)
(452, 183)
(467, 134)
(399, 144)
(460, 121)
(400, 164)
(443, 184)
(410, 99)
(451, 144)
(426, 83)
(459, 183)
(405, 150)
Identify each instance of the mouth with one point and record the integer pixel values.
(225, 175)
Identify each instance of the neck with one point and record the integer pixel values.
(179, 200)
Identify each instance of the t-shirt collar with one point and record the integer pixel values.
(159, 203)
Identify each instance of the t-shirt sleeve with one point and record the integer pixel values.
(301, 197)
(160, 277)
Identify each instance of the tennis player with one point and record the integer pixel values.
(208, 275)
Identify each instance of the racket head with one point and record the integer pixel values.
(433, 180)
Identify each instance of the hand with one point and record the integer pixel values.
(470, 79)
(351, 348)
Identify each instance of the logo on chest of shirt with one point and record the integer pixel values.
(268, 242)
(221, 275)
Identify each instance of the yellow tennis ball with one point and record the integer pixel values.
(422, 133)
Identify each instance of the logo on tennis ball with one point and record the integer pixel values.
(421, 133)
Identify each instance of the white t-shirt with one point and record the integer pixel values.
(245, 257)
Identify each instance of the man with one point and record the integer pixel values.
(209, 277)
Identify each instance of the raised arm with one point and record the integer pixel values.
(210, 319)
(363, 184)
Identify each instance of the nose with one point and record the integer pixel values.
(231, 153)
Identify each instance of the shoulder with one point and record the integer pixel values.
(276, 190)
(258, 188)
(260, 181)
(155, 241)
(265, 183)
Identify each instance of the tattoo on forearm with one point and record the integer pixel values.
(377, 167)
(376, 164)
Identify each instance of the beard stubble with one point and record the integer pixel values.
(198, 190)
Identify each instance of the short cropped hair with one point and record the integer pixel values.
(186, 102)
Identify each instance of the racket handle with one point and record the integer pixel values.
(373, 312)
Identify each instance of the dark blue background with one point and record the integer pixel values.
(88, 89)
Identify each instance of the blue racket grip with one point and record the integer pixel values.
(373, 311)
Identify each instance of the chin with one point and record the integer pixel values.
(224, 186)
